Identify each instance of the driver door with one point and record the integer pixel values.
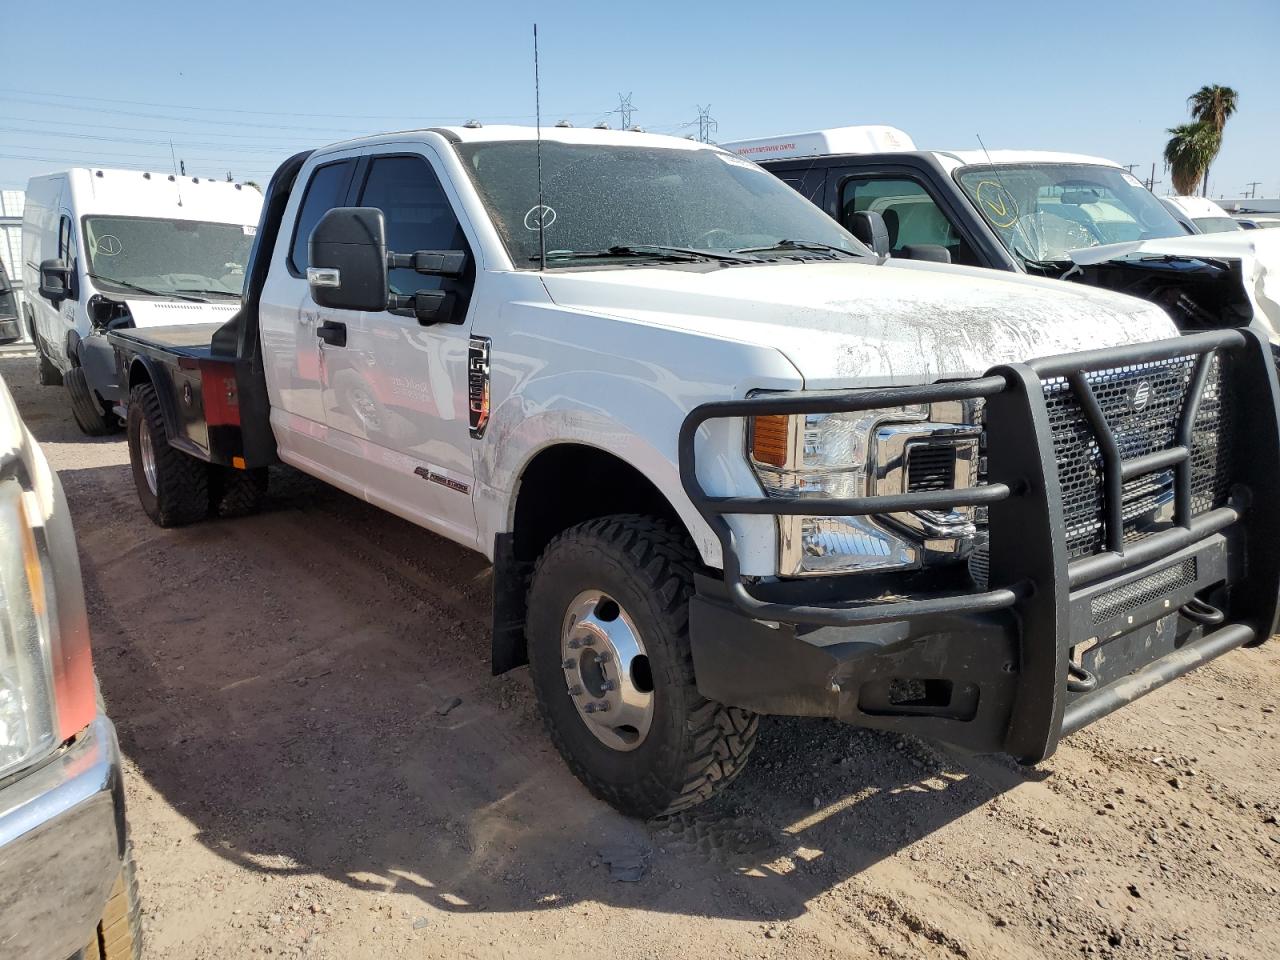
(394, 396)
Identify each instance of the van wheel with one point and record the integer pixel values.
(86, 406)
(119, 933)
(173, 486)
(608, 632)
(236, 493)
(48, 375)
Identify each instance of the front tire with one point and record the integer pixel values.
(613, 592)
(173, 486)
(85, 405)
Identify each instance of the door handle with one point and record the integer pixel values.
(333, 333)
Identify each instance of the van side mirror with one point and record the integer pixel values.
(347, 252)
(55, 281)
(929, 252)
(869, 227)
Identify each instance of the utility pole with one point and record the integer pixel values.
(707, 124)
(1151, 180)
(1253, 188)
(624, 111)
(1130, 166)
(182, 168)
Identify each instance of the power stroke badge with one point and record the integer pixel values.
(478, 385)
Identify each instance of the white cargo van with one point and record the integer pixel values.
(105, 249)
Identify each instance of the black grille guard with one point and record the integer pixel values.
(1030, 573)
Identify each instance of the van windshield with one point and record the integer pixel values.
(603, 198)
(1041, 211)
(128, 254)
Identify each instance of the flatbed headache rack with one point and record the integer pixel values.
(1049, 594)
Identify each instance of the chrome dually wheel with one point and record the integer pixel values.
(606, 670)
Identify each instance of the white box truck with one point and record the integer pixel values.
(110, 249)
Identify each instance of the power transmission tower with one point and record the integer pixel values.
(624, 111)
(1253, 188)
(707, 124)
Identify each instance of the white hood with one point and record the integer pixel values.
(1257, 250)
(168, 313)
(871, 324)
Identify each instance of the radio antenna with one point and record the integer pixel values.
(537, 115)
(174, 157)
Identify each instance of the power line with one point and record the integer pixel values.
(6, 95)
(188, 144)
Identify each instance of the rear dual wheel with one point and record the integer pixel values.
(176, 488)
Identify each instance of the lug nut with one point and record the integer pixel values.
(569, 664)
(602, 706)
(574, 644)
(608, 685)
(589, 708)
(575, 691)
(588, 641)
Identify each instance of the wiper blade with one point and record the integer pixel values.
(648, 251)
(141, 289)
(798, 245)
(208, 292)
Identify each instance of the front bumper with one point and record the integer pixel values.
(62, 844)
(1053, 643)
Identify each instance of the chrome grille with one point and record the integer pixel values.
(1139, 428)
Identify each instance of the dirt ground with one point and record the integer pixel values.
(319, 764)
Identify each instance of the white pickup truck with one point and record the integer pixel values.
(726, 460)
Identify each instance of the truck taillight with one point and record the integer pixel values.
(221, 400)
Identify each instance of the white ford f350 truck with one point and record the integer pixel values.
(105, 249)
(726, 460)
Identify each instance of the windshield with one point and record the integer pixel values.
(139, 254)
(600, 198)
(1216, 224)
(1041, 211)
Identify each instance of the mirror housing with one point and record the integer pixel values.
(431, 263)
(869, 227)
(928, 252)
(347, 251)
(426, 306)
(55, 281)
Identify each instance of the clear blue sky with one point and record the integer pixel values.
(1105, 79)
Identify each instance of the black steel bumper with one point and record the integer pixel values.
(1054, 643)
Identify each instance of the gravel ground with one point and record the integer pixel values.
(319, 764)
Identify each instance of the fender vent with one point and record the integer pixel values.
(931, 466)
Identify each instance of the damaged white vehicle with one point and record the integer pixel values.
(108, 249)
(1059, 215)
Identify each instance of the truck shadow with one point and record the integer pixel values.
(310, 688)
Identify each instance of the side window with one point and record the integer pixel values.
(327, 189)
(417, 212)
(910, 214)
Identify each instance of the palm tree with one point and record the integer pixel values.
(1188, 154)
(1213, 105)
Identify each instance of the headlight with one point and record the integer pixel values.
(27, 728)
(866, 453)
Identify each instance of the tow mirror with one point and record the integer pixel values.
(55, 280)
(929, 252)
(347, 253)
(869, 227)
(432, 263)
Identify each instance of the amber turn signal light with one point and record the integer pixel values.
(769, 439)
